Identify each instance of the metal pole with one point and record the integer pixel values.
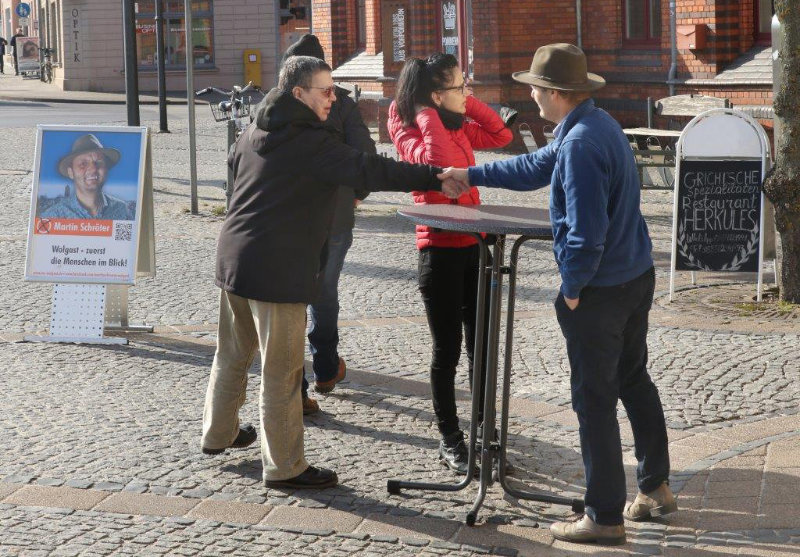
(229, 183)
(673, 39)
(187, 9)
(131, 70)
(162, 78)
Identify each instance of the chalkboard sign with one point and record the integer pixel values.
(718, 215)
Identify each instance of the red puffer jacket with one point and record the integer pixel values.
(430, 142)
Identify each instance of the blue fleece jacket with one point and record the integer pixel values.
(599, 235)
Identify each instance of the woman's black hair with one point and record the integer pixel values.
(418, 79)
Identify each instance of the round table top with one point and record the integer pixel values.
(491, 219)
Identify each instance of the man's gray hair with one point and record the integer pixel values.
(298, 71)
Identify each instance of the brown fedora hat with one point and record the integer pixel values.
(86, 144)
(560, 66)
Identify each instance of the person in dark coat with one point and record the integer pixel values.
(13, 44)
(323, 336)
(3, 44)
(287, 168)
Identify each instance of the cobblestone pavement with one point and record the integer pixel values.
(100, 444)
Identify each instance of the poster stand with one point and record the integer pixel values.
(82, 312)
(721, 160)
(116, 314)
(77, 315)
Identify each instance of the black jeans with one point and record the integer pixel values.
(448, 282)
(607, 347)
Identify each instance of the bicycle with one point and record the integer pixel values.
(46, 65)
(233, 107)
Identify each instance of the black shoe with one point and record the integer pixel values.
(311, 478)
(453, 452)
(247, 436)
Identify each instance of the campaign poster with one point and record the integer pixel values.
(85, 204)
(28, 53)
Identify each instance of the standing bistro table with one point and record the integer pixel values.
(496, 221)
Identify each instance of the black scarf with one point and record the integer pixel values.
(451, 120)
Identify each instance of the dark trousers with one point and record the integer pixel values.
(607, 347)
(448, 282)
(323, 336)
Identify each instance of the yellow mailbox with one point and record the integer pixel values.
(252, 66)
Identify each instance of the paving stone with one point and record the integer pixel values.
(19, 479)
(339, 521)
(353, 535)
(229, 511)
(108, 486)
(383, 538)
(404, 526)
(61, 497)
(779, 516)
(734, 489)
(7, 489)
(51, 482)
(146, 504)
(197, 493)
(416, 542)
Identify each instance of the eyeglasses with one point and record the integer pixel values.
(461, 88)
(327, 91)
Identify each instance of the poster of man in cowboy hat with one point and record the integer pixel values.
(86, 192)
(87, 166)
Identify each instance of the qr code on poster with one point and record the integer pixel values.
(122, 231)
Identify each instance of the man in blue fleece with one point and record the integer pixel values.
(602, 248)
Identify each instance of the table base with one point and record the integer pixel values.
(493, 453)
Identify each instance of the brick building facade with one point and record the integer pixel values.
(722, 46)
(86, 36)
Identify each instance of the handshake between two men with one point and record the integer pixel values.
(455, 182)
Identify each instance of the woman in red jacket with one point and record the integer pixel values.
(434, 119)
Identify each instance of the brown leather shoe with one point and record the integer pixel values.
(327, 386)
(587, 530)
(310, 406)
(650, 505)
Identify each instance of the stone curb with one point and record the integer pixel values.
(185, 511)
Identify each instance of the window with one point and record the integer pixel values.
(764, 10)
(295, 21)
(642, 20)
(361, 19)
(174, 34)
